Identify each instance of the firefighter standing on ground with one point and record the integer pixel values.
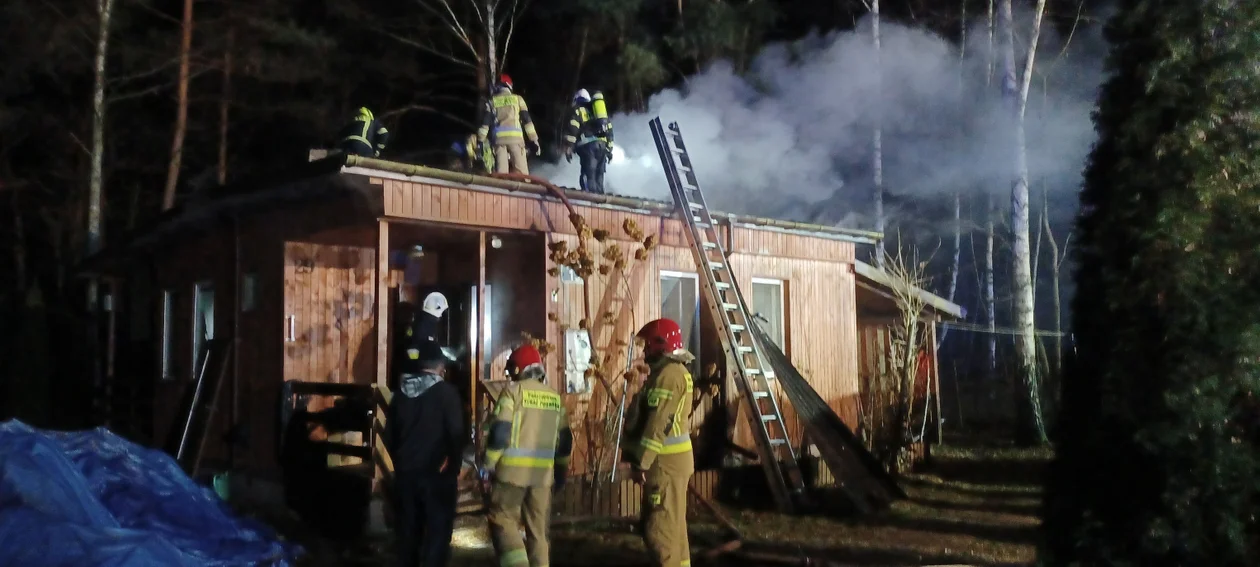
(509, 128)
(364, 136)
(527, 454)
(589, 134)
(659, 443)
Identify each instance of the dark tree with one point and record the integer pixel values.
(1158, 460)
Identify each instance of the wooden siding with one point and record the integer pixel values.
(821, 328)
(330, 292)
(422, 201)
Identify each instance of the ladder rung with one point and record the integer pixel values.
(753, 371)
(703, 224)
(737, 328)
(709, 245)
(768, 417)
(690, 187)
(758, 395)
(745, 349)
(695, 205)
(729, 306)
(777, 442)
(677, 150)
(715, 265)
(723, 285)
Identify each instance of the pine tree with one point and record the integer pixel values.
(1159, 455)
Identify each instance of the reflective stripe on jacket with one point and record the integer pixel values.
(529, 436)
(664, 414)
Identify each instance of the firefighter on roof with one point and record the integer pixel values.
(364, 136)
(589, 134)
(509, 128)
(659, 443)
(527, 455)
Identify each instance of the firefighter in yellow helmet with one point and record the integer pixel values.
(527, 456)
(509, 128)
(658, 443)
(589, 134)
(364, 136)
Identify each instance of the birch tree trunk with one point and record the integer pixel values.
(492, 48)
(957, 264)
(990, 301)
(1030, 426)
(105, 10)
(877, 141)
(181, 111)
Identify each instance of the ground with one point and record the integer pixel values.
(972, 506)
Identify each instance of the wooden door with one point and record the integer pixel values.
(329, 313)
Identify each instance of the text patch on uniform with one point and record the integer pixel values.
(540, 400)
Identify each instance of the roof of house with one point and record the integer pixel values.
(346, 176)
(869, 275)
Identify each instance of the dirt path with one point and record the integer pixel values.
(974, 507)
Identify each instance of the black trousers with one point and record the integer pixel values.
(592, 156)
(426, 517)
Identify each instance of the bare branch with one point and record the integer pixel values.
(427, 49)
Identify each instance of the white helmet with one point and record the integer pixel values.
(435, 304)
(582, 96)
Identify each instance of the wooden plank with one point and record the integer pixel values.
(382, 303)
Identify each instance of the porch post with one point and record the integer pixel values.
(382, 303)
(477, 347)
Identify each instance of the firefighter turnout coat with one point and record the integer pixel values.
(660, 443)
(527, 448)
(508, 124)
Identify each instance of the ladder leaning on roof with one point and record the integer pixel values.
(730, 311)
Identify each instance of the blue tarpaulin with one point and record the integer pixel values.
(92, 498)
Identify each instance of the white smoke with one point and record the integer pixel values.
(796, 130)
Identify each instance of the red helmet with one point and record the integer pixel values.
(521, 359)
(662, 336)
(505, 80)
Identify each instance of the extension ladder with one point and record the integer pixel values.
(730, 311)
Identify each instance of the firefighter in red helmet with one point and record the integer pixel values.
(508, 126)
(527, 456)
(659, 443)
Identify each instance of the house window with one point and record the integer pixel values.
(203, 322)
(249, 292)
(567, 275)
(768, 309)
(680, 301)
(168, 303)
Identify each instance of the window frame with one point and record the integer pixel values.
(783, 314)
(198, 327)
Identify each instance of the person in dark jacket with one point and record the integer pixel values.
(426, 438)
(364, 136)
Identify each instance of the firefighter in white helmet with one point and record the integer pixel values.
(589, 134)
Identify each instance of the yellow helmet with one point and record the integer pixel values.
(365, 114)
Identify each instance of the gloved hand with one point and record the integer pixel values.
(608, 152)
(560, 477)
(568, 155)
(534, 147)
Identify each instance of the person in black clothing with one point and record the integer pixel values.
(426, 438)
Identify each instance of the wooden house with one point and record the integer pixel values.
(301, 273)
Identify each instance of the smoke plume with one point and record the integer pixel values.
(793, 136)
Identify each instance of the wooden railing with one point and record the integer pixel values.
(383, 463)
